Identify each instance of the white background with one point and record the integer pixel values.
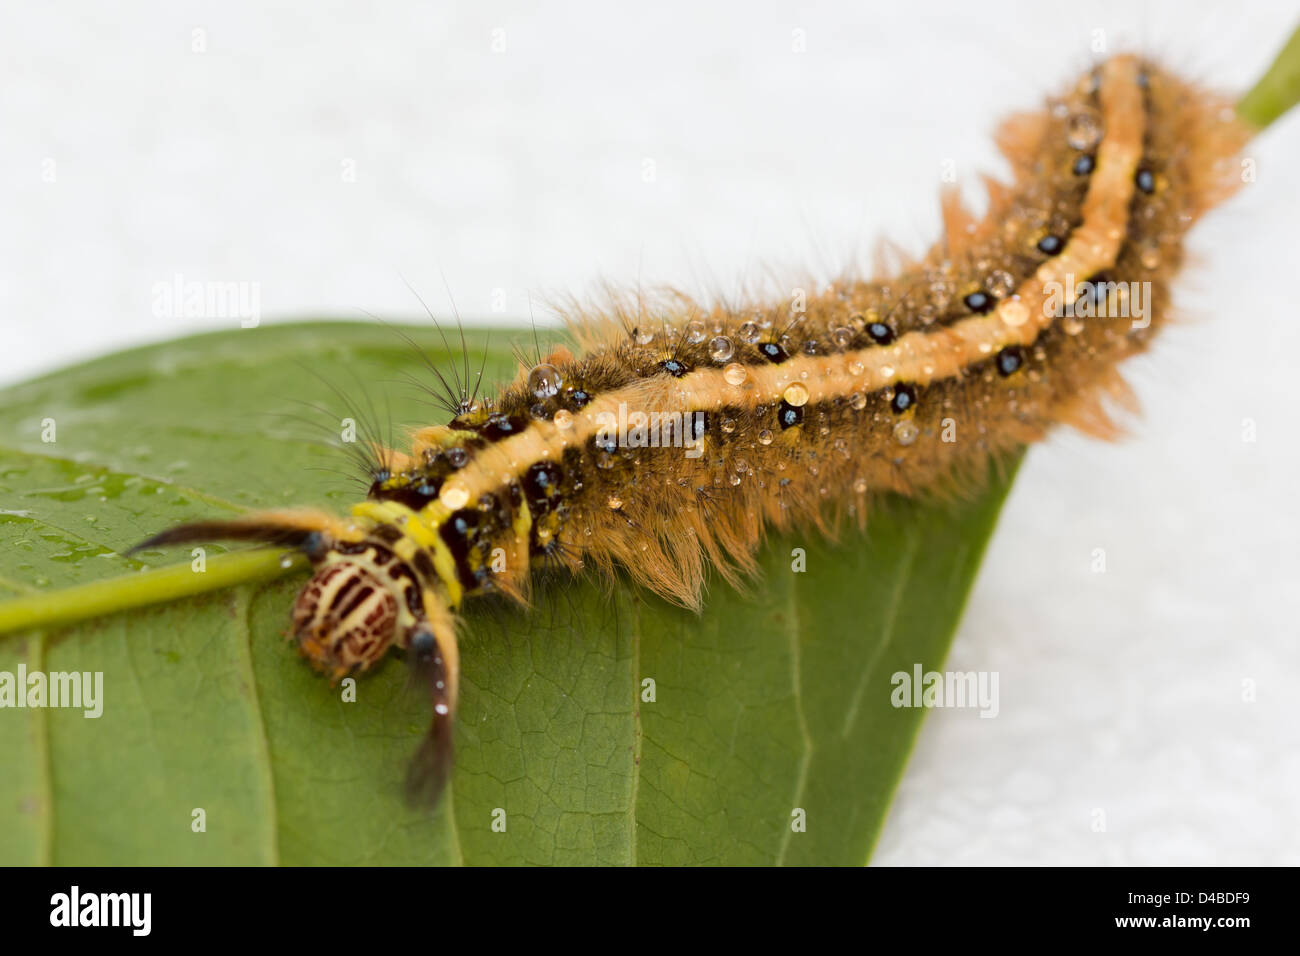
(522, 171)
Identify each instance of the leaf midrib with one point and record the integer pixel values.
(637, 732)
(243, 646)
(794, 632)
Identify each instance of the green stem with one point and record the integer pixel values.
(68, 605)
(1277, 90)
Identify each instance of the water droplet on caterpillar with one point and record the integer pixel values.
(1083, 129)
(728, 425)
(842, 337)
(454, 495)
(563, 419)
(748, 332)
(1000, 283)
(1014, 312)
(544, 381)
(796, 395)
(696, 332)
(735, 373)
(905, 433)
(721, 349)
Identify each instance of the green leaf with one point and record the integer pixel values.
(773, 700)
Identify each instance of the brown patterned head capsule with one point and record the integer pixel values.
(345, 619)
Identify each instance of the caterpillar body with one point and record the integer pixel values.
(683, 431)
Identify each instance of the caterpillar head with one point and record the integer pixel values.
(346, 618)
(361, 601)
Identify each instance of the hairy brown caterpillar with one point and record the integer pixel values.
(684, 432)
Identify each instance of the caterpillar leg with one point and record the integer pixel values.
(434, 660)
